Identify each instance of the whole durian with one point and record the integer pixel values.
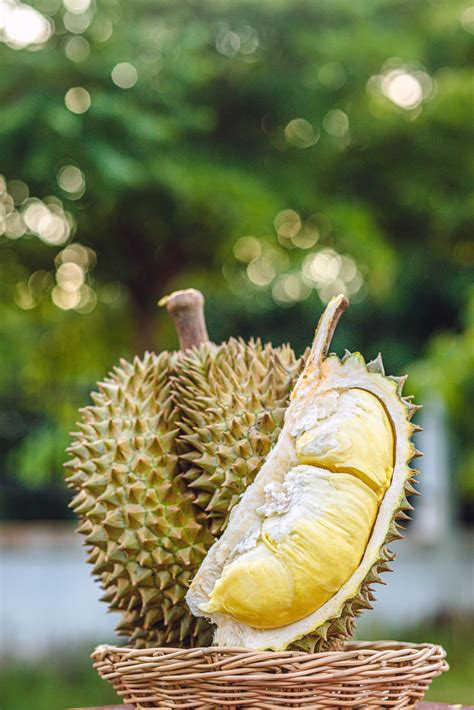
(145, 536)
(309, 536)
(159, 459)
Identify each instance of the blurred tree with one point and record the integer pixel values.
(271, 153)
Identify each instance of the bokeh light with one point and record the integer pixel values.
(77, 6)
(308, 235)
(14, 225)
(228, 43)
(288, 276)
(18, 190)
(47, 220)
(247, 248)
(71, 179)
(405, 87)
(242, 40)
(70, 276)
(21, 26)
(336, 123)
(264, 268)
(77, 100)
(290, 288)
(85, 257)
(332, 273)
(23, 297)
(28, 294)
(287, 223)
(77, 22)
(11, 222)
(124, 75)
(300, 133)
(71, 292)
(101, 29)
(87, 300)
(76, 49)
(66, 300)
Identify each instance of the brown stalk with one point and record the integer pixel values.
(186, 308)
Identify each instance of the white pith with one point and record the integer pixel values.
(313, 398)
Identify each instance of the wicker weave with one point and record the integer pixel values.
(364, 675)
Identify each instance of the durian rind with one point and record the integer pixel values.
(232, 403)
(333, 621)
(144, 535)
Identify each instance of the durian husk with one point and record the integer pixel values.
(144, 535)
(158, 462)
(231, 402)
(329, 626)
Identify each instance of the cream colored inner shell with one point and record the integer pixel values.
(316, 523)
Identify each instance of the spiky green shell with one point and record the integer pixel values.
(150, 498)
(232, 403)
(145, 537)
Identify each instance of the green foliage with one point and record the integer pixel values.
(54, 685)
(335, 134)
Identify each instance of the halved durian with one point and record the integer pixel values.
(309, 535)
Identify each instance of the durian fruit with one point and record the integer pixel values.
(309, 536)
(231, 411)
(145, 536)
(152, 490)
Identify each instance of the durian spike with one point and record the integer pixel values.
(186, 308)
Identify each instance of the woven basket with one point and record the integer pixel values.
(364, 675)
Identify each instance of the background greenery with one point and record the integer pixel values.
(333, 137)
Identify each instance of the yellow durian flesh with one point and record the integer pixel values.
(356, 437)
(316, 523)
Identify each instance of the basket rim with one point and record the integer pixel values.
(352, 648)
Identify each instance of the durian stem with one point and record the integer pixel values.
(326, 327)
(187, 311)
